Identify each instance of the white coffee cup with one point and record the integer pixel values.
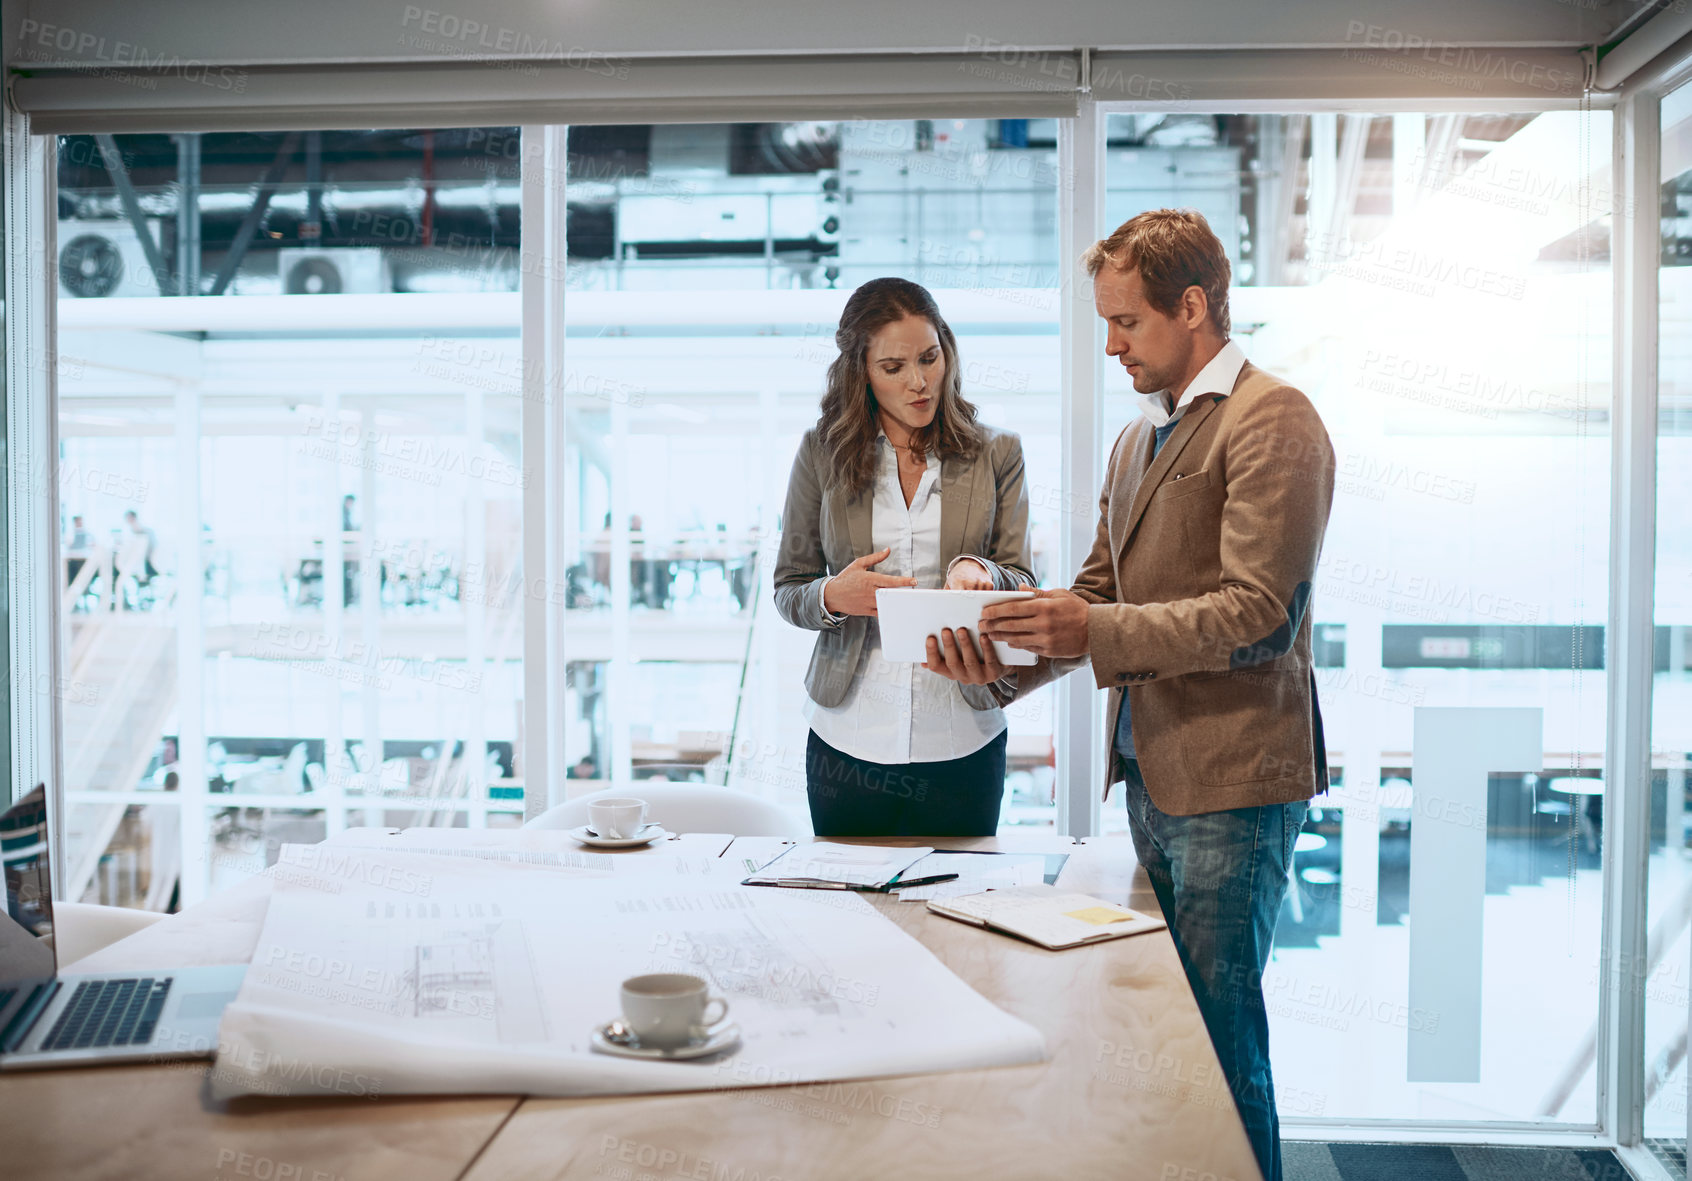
(617, 818)
(668, 1010)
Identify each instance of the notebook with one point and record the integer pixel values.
(1046, 915)
(824, 865)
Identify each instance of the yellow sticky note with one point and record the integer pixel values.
(1099, 915)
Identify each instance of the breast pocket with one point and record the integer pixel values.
(1186, 486)
(1184, 517)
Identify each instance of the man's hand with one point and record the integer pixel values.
(1053, 623)
(852, 591)
(954, 655)
(968, 574)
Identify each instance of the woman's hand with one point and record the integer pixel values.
(852, 591)
(969, 574)
(954, 655)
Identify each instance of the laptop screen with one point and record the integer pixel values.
(23, 850)
(29, 898)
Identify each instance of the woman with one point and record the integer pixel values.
(898, 485)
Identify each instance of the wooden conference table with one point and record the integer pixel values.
(1131, 1089)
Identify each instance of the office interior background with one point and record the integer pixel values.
(421, 462)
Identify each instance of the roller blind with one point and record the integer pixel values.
(593, 89)
(1378, 68)
(988, 82)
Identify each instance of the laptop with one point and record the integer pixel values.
(79, 1020)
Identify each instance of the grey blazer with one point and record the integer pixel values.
(983, 513)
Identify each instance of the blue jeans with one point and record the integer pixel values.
(1220, 878)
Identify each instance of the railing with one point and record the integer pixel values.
(118, 686)
(96, 563)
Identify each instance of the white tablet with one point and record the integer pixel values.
(909, 616)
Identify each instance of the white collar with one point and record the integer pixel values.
(1217, 377)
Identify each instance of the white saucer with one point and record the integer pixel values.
(650, 832)
(728, 1035)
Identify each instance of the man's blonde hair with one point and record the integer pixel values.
(1173, 249)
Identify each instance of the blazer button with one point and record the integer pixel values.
(1122, 676)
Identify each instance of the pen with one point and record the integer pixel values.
(897, 884)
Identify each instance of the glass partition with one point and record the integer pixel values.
(1667, 972)
(1438, 285)
(708, 268)
(316, 478)
(290, 489)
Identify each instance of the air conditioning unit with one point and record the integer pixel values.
(354, 270)
(101, 259)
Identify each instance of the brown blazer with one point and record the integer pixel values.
(1200, 579)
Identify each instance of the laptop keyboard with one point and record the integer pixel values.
(110, 1013)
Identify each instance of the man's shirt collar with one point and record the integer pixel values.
(1216, 378)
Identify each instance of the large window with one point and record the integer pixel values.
(291, 489)
(1665, 972)
(708, 268)
(1439, 286)
(290, 495)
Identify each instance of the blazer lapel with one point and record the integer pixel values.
(1137, 459)
(957, 485)
(857, 512)
(1160, 466)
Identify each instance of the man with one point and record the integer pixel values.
(1193, 608)
(147, 541)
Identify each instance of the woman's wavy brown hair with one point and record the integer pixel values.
(849, 423)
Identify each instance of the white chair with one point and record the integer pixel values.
(688, 807)
(82, 928)
(289, 779)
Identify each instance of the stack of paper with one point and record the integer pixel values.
(828, 866)
(974, 872)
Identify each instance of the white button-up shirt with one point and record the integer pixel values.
(897, 712)
(1217, 377)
